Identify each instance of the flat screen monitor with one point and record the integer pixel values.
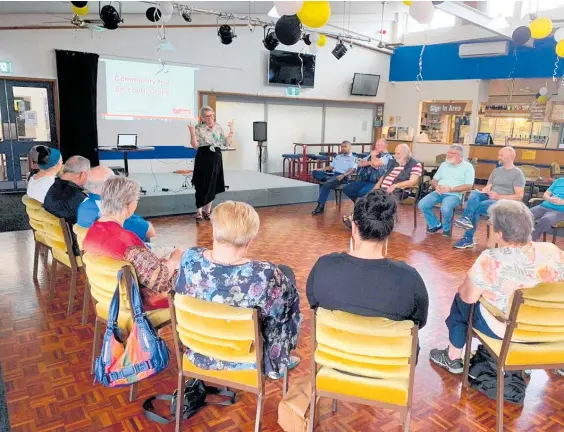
(291, 69)
(365, 84)
(127, 140)
(484, 138)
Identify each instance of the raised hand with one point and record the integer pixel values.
(231, 126)
(191, 126)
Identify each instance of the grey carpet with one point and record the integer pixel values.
(12, 213)
(4, 420)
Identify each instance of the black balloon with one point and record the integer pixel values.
(521, 35)
(436, 3)
(110, 17)
(79, 5)
(288, 29)
(153, 14)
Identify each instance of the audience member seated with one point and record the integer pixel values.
(334, 175)
(363, 281)
(49, 162)
(403, 172)
(551, 211)
(107, 237)
(370, 169)
(453, 177)
(224, 274)
(516, 263)
(505, 182)
(89, 210)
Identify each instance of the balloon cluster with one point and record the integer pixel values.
(542, 96)
(162, 13)
(539, 28)
(295, 14)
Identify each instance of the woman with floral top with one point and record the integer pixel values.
(497, 273)
(224, 274)
(208, 139)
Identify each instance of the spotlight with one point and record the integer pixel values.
(187, 16)
(270, 41)
(226, 34)
(306, 39)
(340, 50)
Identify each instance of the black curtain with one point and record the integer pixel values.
(77, 75)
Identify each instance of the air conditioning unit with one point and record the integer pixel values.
(485, 49)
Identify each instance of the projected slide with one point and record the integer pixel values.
(144, 91)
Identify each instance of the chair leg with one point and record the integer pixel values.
(133, 392)
(415, 215)
(285, 383)
(467, 353)
(53, 278)
(85, 302)
(544, 236)
(406, 421)
(500, 379)
(35, 260)
(96, 343)
(72, 291)
(554, 231)
(312, 408)
(179, 406)
(260, 403)
(334, 406)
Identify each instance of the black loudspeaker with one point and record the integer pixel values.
(259, 131)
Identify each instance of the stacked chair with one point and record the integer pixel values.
(34, 210)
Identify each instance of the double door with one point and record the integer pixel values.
(27, 118)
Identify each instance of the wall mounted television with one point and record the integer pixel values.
(365, 84)
(291, 69)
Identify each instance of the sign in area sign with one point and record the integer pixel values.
(5, 67)
(446, 108)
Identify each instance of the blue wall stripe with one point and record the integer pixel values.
(160, 152)
(441, 62)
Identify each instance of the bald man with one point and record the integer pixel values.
(89, 210)
(505, 182)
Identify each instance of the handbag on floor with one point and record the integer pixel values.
(144, 353)
(195, 397)
(293, 410)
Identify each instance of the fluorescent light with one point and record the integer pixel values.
(273, 13)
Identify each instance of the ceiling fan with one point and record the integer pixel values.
(382, 44)
(79, 23)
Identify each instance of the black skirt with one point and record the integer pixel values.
(208, 175)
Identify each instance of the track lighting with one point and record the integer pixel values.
(270, 41)
(340, 50)
(226, 34)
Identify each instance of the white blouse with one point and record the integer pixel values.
(37, 189)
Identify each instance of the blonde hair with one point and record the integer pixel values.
(235, 223)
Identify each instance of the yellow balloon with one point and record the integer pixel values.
(542, 99)
(560, 48)
(315, 14)
(407, 3)
(80, 11)
(540, 28)
(322, 40)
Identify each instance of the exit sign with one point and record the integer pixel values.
(5, 67)
(292, 91)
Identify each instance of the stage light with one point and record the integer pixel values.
(306, 40)
(340, 50)
(226, 34)
(187, 16)
(270, 41)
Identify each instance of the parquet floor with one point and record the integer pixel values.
(45, 356)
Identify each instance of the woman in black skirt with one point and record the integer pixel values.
(208, 138)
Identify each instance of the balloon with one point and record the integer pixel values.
(436, 3)
(559, 34)
(315, 14)
(422, 11)
(288, 7)
(80, 11)
(521, 35)
(153, 14)
(79, 5)
(166, 8)
(543, 91)
(322, 40)
(288, 29)
(542, 99)
(560, 48)
(407, 3)
(110, 17)
(538, 95)
(314, 37)
(540, 28)
(166, 18)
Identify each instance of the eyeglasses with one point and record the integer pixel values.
(208, 116)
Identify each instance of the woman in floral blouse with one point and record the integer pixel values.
(225, 275)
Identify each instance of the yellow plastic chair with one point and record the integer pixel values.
(369, 361)
(33, 209)
(536, 320)
(225, 333)
(102, 278)
(80, 233)
(60, 241)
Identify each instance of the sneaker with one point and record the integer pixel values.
(447, 233)
(560, 372)
(464, 243)
(318, 210)
(434, 230)
(464, 222)
(440, 358)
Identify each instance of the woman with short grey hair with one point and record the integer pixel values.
(498, 272)
(107, 237)
(208, 138)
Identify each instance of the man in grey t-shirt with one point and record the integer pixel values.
(506, 182)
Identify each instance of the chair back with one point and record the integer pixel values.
(58, 238)
(531, 172)
(217, 330)
(33, 209)
(80, 234)
(440, 158)
(367, 347)
(554, 169)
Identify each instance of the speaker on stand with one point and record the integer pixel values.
(259, 135)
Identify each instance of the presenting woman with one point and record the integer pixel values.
(208, 138)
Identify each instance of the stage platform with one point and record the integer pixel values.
(255, 188)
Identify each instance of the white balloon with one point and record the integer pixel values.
(559, 34)
(422, 11)
(314, 37)
(313, 48)
(166, 8)
(288, 7)
(166, 18)
(543, 91)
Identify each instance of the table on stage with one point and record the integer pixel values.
(125, 151)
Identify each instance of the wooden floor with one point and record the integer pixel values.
(45, 356)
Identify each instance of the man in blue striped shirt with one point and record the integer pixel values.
(334, 175)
